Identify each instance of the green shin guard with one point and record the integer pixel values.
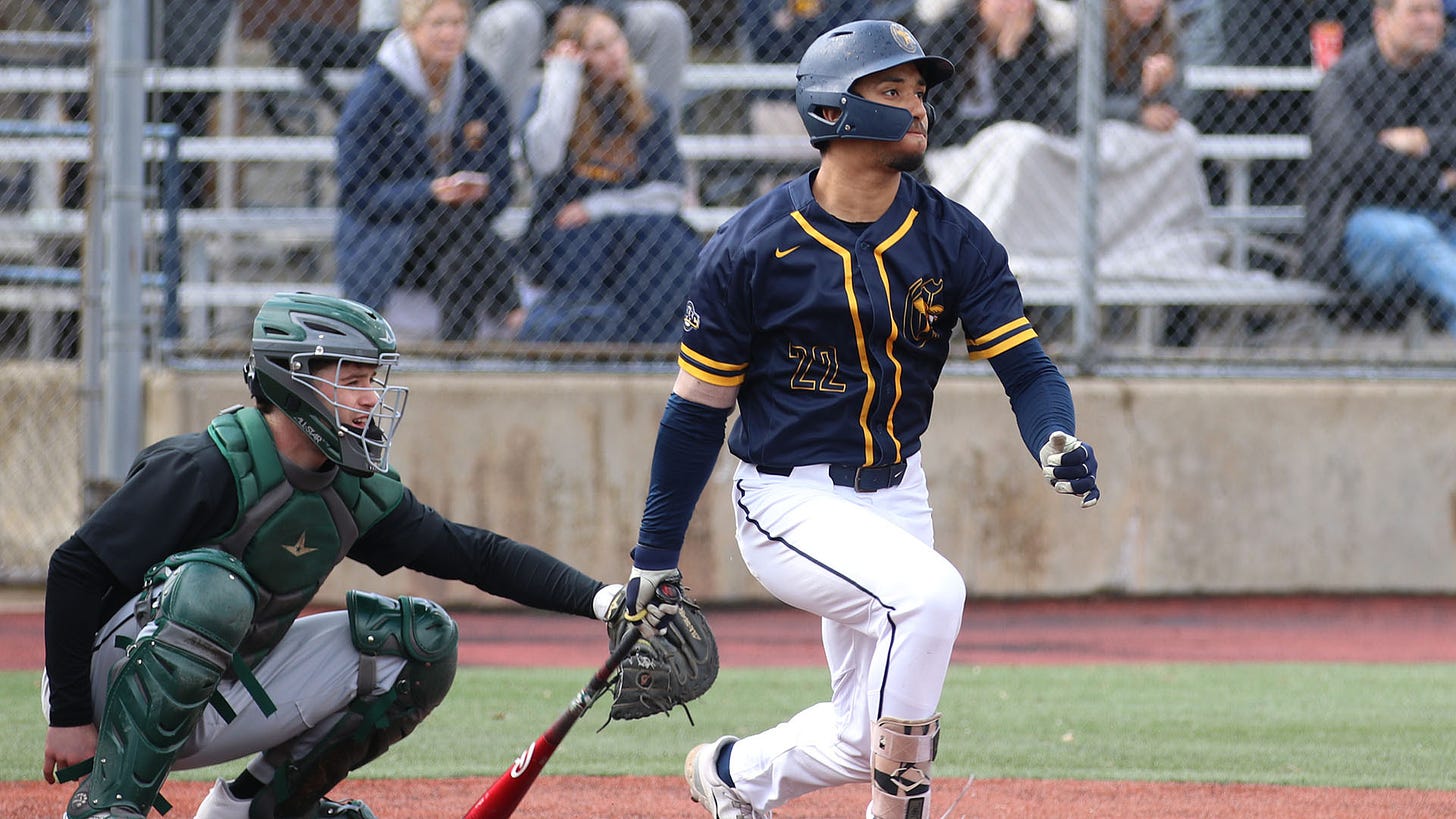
(409, 627)
(158, 691)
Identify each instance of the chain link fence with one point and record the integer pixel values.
(510, 211)
(328, 145)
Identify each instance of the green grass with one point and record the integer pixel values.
(1302, 724)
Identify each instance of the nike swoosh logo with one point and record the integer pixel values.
(779, 254)
(298, 549)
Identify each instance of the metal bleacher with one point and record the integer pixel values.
(200, 288)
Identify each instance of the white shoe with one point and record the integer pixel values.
(708, 790)
(221, 804)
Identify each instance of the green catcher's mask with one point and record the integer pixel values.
(302, 344)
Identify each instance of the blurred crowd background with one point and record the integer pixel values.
(520, 180)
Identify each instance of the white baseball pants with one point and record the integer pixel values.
(311, 675)
(890, 606)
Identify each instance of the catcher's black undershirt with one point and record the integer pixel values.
(180, 494)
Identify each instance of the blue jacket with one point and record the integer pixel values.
(385, 168)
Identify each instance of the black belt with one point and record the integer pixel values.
(860, 478)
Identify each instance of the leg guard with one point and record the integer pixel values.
(903, 751)
(200, 604)
(416, 629)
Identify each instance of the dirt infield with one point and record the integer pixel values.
(585, 797)
(1224, 629)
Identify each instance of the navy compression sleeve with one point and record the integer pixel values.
(688, 440)
(1039, 394)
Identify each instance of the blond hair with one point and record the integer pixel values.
(411, 12)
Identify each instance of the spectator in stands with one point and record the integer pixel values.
(1144, 85)
(1153, 209)
(1381, 182)
(1143, 76)
(1058, 16)
(1010, 70)
(510, 35)
(424, 168)
(607, 242)
(1264, 34)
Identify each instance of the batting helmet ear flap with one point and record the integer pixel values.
(885, 122)
(867, 120)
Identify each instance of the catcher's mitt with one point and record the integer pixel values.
(666, 670)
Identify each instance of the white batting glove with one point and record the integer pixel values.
(1070, 467)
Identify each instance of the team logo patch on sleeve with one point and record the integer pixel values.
(691, 320)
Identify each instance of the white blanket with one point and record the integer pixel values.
(1022, 182)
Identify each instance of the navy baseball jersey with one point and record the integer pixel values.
(836, 334)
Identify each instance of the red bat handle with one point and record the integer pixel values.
(500, 800)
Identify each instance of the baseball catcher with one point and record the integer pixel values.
(673, 664)
(173, 631)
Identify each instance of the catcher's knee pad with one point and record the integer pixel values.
(410, 627)
(199, 605)
(902, 755)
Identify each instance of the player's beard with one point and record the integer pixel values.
(908, 163)
(905, 158)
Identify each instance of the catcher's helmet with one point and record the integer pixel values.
(300, 342)
(846, 53)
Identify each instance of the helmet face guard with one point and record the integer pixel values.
(315, 358)
(333, 388)
(845, 54)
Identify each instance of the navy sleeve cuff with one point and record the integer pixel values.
(652, 559)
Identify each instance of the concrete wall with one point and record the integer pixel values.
(1208, 486)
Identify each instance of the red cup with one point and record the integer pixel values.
(1326, 41)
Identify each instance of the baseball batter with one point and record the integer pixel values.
(171, 638)
(825, 311)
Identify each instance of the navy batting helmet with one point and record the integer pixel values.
(843, 55)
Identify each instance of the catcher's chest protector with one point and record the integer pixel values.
(293, 525)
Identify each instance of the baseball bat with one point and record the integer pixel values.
(501, 798)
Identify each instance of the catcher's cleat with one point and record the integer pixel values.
(352, 809)
(708, 790)
(221, 804)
